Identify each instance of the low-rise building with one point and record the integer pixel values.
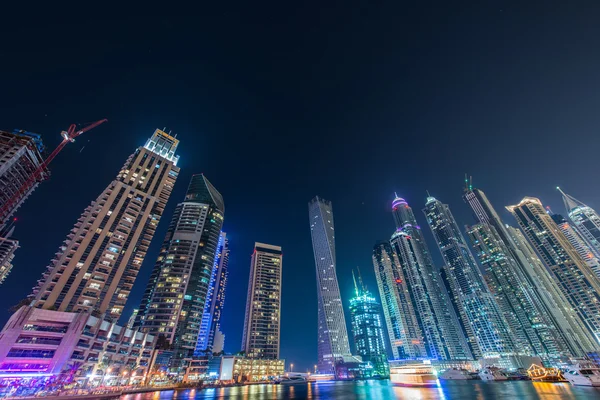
(73, 345)
(241, 369)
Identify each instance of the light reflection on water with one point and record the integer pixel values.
(383, 390)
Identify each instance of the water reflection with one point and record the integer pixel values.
(383, 390)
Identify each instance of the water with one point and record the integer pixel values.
(382, 390)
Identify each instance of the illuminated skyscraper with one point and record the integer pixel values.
(261, 337)
(7, 253)
(487, 331)
(97, 265)
(586, 220)
(215, 299)
(173, 303)
(512, 283)
(367, 329)
(333, 336)
(443, 337)
(578, 242)
(406, 338)
(575, 278)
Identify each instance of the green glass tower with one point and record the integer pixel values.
(367, 329)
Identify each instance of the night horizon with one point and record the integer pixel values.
(278, 104)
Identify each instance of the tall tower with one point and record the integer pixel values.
(443, 337)
(215, 299)
(578, 242)
(261, 337)
(333, 336)
(487, 331)
(405, 335)
(576, 279)
(21, 155)
(97, 265)
(173, 303)
(586, 220)
(367, 329)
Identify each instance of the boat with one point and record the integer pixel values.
(292, 380)
(491, 373)
(538, 373)
(455, 374)
(413, 374)
(583, 374)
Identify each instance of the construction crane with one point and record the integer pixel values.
(68, 136)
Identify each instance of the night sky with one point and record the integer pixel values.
(278, 103)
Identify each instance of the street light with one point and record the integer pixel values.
(291, 367)
(315, 368)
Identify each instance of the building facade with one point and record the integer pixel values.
(333, 336)
(261, 338)
(95, 268)
(36, 342)
(578, 242)
(585, 219)
(486, 329)
(174, 300)
(578, 283)
(406, 338)
(20, 156)
(215, 300)
(367, 330)
(7, 253)
(442, 335)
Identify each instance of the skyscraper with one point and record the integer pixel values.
(97, 265)
(487, 331)
(576, 279)
(443, 338)
(578, 242)
(173, 303)
(215, 299)
(21, 156)
(406, 338)
(261, 337)
(7, 253)
(367, 329)
(333, 336)
(536, 294)
(586, 220)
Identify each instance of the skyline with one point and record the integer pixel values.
(385, 91)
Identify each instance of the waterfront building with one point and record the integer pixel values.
(526, 284)
(173, 303)
(332, 335)
(242, 369)
(43, 343)
(578, 283)
(585, 219)
(406, 338)
(442, 335)
(367, 329)
(578, 242)
(261, 338)
(486, 329)
(95, 268)
(215, 300)
(21, 155)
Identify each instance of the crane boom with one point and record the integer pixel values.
(68, 136)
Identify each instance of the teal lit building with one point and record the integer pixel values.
(367, 329)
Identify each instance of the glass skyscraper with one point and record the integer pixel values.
(509, 280)
(578, 242)
(174, 300)
(367, 329)
(577, 281)
(486, 329)
(95, 268)
(443, 338)
(586, 220)
(333, 343)
(215, 300)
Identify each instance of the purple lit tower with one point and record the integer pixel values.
(443, 338)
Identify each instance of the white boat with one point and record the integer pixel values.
(491, 373)
(455, 374)
(413, 374)
(583, 374)
(292, 380)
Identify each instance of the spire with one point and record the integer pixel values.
(570, 201)
(355, 285)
